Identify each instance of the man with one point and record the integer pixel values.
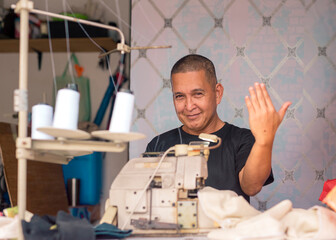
(243, 162)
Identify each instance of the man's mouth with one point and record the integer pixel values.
(192, 116)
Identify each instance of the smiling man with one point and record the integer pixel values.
(243, 163)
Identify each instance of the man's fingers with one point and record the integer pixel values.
(268, 99)
(249, 105)
(253, 98)
(260, 95)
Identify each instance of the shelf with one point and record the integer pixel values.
(58, 45)
(71, 145)
(62, 151)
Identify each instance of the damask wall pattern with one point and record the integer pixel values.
(289, 45)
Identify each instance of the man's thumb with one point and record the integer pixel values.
(283, 109)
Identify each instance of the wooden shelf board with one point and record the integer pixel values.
(58, 45)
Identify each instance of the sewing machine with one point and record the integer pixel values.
(168, 203)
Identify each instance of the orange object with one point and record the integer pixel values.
(79, 70)
(330, 199)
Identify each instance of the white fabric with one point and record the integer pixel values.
(225, 206)
(9, 227)
(260, 228)
(239, 220)
(316, 223)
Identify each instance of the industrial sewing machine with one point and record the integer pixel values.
(159, 194)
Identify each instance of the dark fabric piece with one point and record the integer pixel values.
(38, 228)
(109, 231)
(68, 228)
(224, 163)
(73, 228)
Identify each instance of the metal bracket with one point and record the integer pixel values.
(143, 223)
(123, 48)
(20, 100)
(24, 142)
(22, 5)
(187, 214)
(41, 156)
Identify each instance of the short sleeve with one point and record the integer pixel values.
(244, 145)
(270, 179)
(151, 146)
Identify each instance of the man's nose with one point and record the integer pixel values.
(189, 104)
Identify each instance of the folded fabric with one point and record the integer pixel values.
(265, 225)
(225, 206)
(109, 231)
(63, 227)
(315, 223)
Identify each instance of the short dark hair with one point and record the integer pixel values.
(195, 62)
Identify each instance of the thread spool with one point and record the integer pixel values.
(42, 116)
(66, 109)
(122, 112)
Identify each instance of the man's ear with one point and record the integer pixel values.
(219, 92)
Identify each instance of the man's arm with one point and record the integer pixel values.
(264, 121)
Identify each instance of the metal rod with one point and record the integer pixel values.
(23, 115)
(150, 204)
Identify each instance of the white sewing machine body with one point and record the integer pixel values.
(170, 203)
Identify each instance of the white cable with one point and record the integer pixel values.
(68, 43)
(124, 22)
(146, 186)
(101, 49)
(119, 15)
(114, 13)
(51, 51)
(85, 32)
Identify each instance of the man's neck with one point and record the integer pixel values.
(211, 128)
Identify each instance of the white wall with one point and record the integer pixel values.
(40, 81)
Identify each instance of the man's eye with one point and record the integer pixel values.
(198, 94)
(178, 96)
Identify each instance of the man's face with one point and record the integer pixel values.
(195, 102)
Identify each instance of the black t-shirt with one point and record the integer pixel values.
(224, 163)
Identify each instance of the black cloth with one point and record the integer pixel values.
(67, 228)
(224, 163)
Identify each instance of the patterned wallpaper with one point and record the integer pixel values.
(289, 45)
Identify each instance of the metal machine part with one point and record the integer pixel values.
(187, 214)
(157, 193)
(169, 203)
(143, 223)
